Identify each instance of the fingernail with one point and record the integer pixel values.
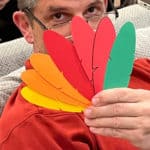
(93, 129)
(95, 101)
(86, 120)
(87, 112)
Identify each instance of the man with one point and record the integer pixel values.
(26, 126)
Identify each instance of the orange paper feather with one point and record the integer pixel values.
(54, 76)
(37, 83)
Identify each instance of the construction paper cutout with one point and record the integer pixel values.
(122, 57)
(42, 101)
(54, 76)
(103, 43)
(71, 66)
(38, 99)
(83, 39)
(94, 48)
(65, 57)
(38, 84)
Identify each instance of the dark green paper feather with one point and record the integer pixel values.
(121, 60)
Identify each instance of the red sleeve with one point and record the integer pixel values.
(47, 129)
(140, 78)
(29, 127)
(42, 133)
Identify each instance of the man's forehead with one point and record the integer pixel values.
(47, 5)
(67, 2)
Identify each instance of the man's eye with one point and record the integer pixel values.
(91, 10)
(58, 16)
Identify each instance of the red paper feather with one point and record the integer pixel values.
(64, 55)
(83, 39)
(94, 48)
(103, 43)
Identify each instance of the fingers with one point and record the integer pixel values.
(120, 95)
(119, 115)
(114, 123)
(114, 110)
(110, 107)
(122, 113)
(118, 133)
(137, 137)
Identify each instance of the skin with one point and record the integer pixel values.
(124, 112)
(48, 15)
(3, 3)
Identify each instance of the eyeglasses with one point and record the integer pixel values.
(61, 27)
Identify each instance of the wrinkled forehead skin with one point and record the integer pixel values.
(64, 3)
(71, 5)
(33, 3)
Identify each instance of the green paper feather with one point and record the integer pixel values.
(121, 60)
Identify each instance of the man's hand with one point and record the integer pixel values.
(3, 3)
(123, 113)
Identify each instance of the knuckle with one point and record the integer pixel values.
(96, 122)
(139, 136)
(140, 122)
(118, 108)
(116, 122)
(121, 93)
(116, 132)
(143, 124)
(145, 109)
(111, 132)
(104, 131)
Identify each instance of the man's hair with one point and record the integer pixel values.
(26, 4)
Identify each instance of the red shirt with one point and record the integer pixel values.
(24, 126)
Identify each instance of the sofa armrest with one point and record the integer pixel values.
(13, 54)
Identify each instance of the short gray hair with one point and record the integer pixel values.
(26, 4)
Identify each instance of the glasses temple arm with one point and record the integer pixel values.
(28, 11)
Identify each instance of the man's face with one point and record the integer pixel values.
(55, 12)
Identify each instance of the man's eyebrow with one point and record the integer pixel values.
(57, 9)
(96, 2)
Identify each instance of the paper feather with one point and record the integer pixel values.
(104, 39)
(68, 78)
(40, 100)
(54, 77)
(83, 39)
(121, 59)
(93, 48)
(34, 81)
(64, 55)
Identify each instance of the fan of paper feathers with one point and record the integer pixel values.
(71, 73)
